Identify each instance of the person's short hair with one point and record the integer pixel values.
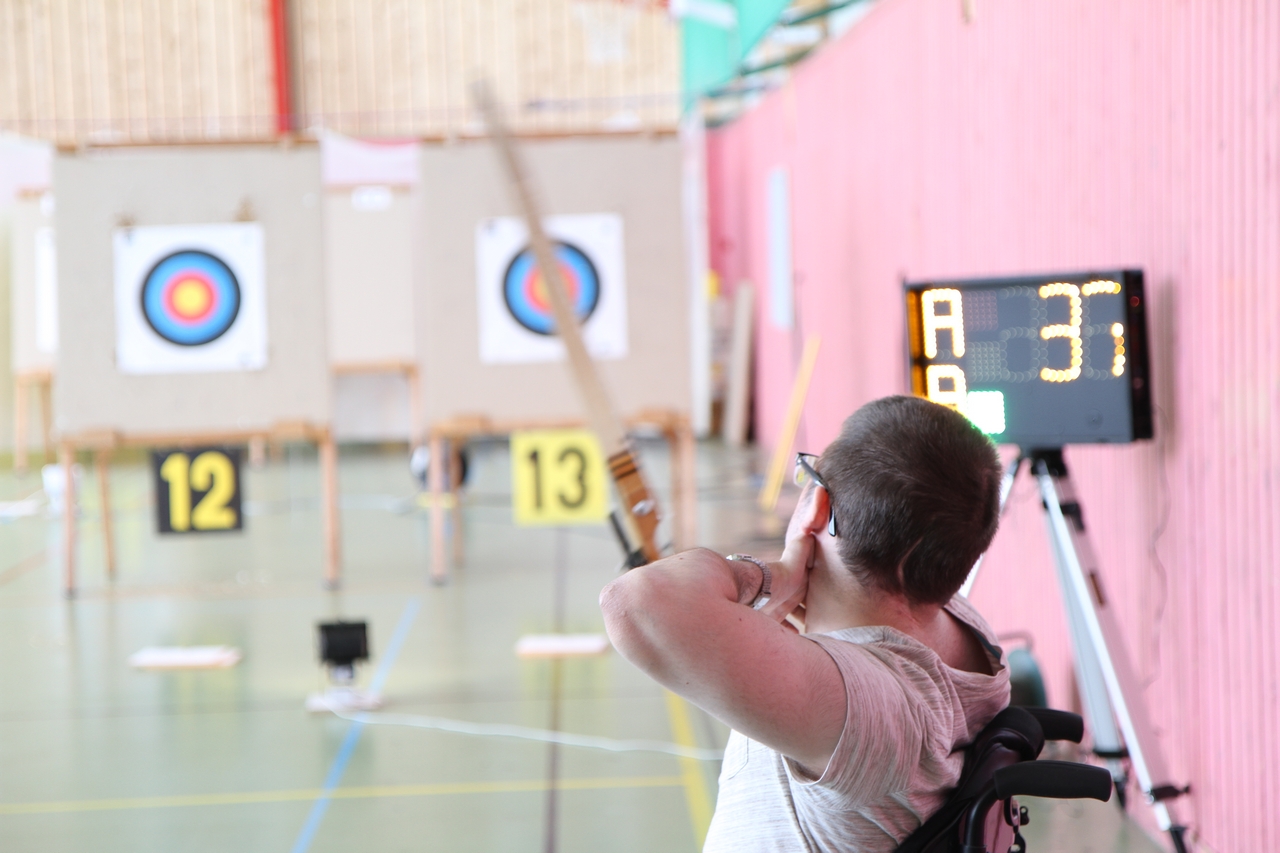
(915, 488)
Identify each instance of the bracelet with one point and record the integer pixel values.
(762, 597)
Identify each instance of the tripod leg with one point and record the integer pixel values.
(1006, 486)
(1084, 588)
(1107, 742)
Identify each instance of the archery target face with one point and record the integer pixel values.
(190, 298)
(516, 321)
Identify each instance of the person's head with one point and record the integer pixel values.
(915, 490)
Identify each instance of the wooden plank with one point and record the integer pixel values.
(737, 407)
(786, 438)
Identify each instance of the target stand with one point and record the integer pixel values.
(104, 444)
(446, 439)
(1109, 688)
(406, 369)
(40, 381)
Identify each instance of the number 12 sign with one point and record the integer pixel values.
(558, 477)
(197, 489)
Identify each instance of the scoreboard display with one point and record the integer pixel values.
(1037, 361)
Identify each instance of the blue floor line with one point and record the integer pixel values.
(348, 748)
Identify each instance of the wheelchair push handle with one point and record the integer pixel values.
(1060, 780)
(1058, 725)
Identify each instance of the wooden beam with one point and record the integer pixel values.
(329, 511)
(786, 438)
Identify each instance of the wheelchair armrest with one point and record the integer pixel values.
(1061, 780)
(1058, 725)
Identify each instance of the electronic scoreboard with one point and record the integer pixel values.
(1037, 361)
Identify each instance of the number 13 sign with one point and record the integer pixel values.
(558, 477)
(197, 490)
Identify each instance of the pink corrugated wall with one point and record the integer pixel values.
(1052, 136)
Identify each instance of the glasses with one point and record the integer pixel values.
(807, 472)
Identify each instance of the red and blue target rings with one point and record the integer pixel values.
(526, 294)
(190, 298)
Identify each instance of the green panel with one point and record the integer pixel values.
(709, 55)
(755, 18)
(712, 55)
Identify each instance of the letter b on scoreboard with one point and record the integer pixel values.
(558, 477)
(197, 489)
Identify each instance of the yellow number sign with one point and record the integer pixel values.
(197, 490)
(558, 477)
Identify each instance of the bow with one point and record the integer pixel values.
(637, 523)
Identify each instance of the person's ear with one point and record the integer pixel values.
(813, 512)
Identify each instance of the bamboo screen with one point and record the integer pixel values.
(402, 67)
(107, 71)
(131, 71)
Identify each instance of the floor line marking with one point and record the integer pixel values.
(515, 786)
(348, 747)
(21, 567)
(695, 786)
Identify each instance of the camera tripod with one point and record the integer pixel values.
(1109, 690)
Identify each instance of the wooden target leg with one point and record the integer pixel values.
(20, 397)
(67, 457)
(686, 489)
(415, 407)
(672, 436)
(102, 460)
(329, 504)
(46, 416)
(455, 504)
(435, 475)
(257, 452)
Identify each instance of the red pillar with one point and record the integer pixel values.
(280, 56)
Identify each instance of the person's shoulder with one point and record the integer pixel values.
(880, 649)
(961, 608)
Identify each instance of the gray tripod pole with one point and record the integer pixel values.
(1108, 687)
(1006, 486)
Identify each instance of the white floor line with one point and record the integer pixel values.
(464, 727)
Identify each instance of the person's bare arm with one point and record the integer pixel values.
(686, 621)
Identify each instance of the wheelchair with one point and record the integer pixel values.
(1002, 764)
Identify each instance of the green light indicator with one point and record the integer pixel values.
(986, 410)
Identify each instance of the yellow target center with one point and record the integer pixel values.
(191, 297)
(542, 291)
(540, 294)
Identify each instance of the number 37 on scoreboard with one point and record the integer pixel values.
(1038, 361)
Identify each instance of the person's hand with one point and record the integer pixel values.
(790, 579)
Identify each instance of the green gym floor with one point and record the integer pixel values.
(96, 756)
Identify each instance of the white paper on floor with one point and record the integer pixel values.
(185, 657)
(561, 645)
(20, 509)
